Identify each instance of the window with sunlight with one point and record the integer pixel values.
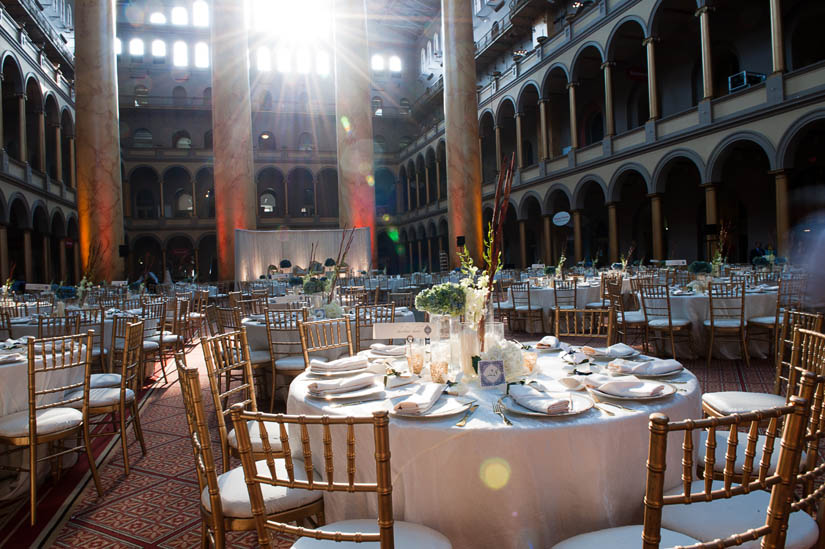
(377, 62)
(284, 60)
(180, 16)
(303, 63)
(322, 63)
(395, 64)
(118, 46)
(158, 48)
(201, 55)
(200, 14)
(136, 47)
(157, 18)
(264, 61)
(180, 54)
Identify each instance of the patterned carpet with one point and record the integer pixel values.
(157, 504)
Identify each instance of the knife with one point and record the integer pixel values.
(463, 421)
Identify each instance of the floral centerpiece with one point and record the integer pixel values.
(285, 264)
(700, 267)
(442, 299)
(624, 258)
(509, 353)
(761, 261)
(7, 285)
(314, 285)
(329, 262)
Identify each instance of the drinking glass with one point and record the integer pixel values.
(416, 352)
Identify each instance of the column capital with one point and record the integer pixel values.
(653, 196)
(544, 101)
(612, 205)
(709, 185)
(706, 8)
(781, 171)
(652, 39)
(519, 114)
(608, 64)
(572, 85)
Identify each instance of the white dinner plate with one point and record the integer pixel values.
(656, 376)
(445, 406)
(338, 373)
(669, 390)
(579, 404)
(369, 390)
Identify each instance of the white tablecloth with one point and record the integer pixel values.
(490, 485)
(30, 329)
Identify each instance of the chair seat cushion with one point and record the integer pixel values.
(662, 323)
(738, 402)
(260, 356)
(594, 305)
(294, 363)
(150, 346)
(50, 420)
(235, 496)
(722, 449)
(769, 321)
(97, 352)
(168, 338)
(406, 535)
(709, 520)
(104, 396)
(255, 438)
(724, 323)
(531, 308)
(623, 537)
(104, 380)
(634, 317)
(504, 305)
(196, 316)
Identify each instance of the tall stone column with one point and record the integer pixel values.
(703, 14)
(58, 153)
(4, 253)
(430, 255)
(438, 178)
(519, 141)
(353, 109)
(231, 131)
(47, 266)
(497, 130)
(99, 192)
(652, 88)
(543, 128)
(420, 255)
(461, 127)
(522, 242)
(21, 127)
(574, 131)
(427, 183)
(711, 218)
(27, 255)
(577, 236)
(658, 227)
(609, 124)
(418, 202)
(613, 233)
(548, 235)
(777, 45)
(41, 141)
(64, 273)
(783, 213)
(72, 169)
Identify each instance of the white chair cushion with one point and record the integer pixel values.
(662, 323)
(150, 346)
(724, 323)
(168, 338)
(738, 402)
(260, 356)
(104, 396)
(594, 305)
(709, 520)
(97, 353)
(763, 320)
(405, 534)
(722, 449)
(634, 317)
(294, 363)
(527, 308)
(623, 537)
(196, 316)
(255, 438)
(504, 305)
(235, 496)
(104, 380)
(50, 420)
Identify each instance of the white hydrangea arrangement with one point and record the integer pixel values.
(333, 310)
(476, 289)
(509, 352)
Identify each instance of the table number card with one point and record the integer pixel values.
(401, 330)
(491, 373)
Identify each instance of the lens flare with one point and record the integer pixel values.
(370, 181)
(385, 218)
(393, 234)
(345, 123)
(495, 473)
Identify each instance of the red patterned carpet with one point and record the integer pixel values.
(157, 504)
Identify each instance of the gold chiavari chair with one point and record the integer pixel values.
(111, 378)
(54, 326)
(524, 308)
(224, 501)
(171, 338)
(233, 298)
(197, 314)
(770, 278)
(704, 513)
(227, 355)
(5, 324)
(565, 293)
(269, 474)
(58, 384)
(626, 321)
(604, 280)
(284, 337)
(789, 295)
(93, 319)
(727, 316)
(121, 401)
(153, 313)
(229, 319)
(253, 306)
(589, 323)
(402, 299)
(368, 315)
(683, 278)
(109, 301)
(660, 324)
(325, 335)
(212, 325)
(131, 303)
(502, 306)
(740, 278)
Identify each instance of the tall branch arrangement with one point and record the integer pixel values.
(495, 231)
(343, 249)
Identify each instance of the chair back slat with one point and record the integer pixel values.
(325, 335)
(50, 361)
(787, 375)
(726, 301)
(367, 316)
(57, 326)
(132, 358)
(565, 293)
(590, 323)
(229, 319)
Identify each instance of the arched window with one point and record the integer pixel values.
(302, 61)
(180, 54)
(264, 61)
(322, 63)
(423, 60)
(377, 106)
(207, 140)
(142, 139)
(377, 62)
(158, 51)
(404, 106)
(305, 142)
(145, 205)
(141, 96)
(395, 64)
(136, 49)
(179, 96)
(266, 141)
(180, 16)
(200, 14)
(182, 140)
(379, 144)
(284, 60)
(267, 202)
(118, 46)
(436, 46)
(201, 55)
(157, 18)
(184, 205)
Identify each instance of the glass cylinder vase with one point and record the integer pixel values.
(468, 347)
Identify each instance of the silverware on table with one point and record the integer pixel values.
(463, 421)
(605, 410)
(498, 409)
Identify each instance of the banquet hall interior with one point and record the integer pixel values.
(412, 273)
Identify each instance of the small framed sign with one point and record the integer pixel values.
(491, 373)
(401, 330)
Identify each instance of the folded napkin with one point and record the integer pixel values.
(391, 382)
(649, 368)
(20, 320)
(535, 400)
(618, 350)
(628, 386)
(11, 357)
(387, 350)
(575, 357)
(341, 384)
(548, 342)
(346, 363)
(421, 400)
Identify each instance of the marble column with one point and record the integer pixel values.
(418, 202)
(41, 141)
(420, 255)
(410, 253)
(234, 182)
(609, 124)
(522, 242)
(497, 130)
(58, 153)
(577, 236)
(777, 45)
(519, 141)
(72, 169)
(64, 272)
(461, 127)
(4, 253)
(28, 270)
(652, 87)
(613, 233)
(99, 192)
(76, 254)
(21, 128)
(353, 110)
(707, 65)
(47, 267)
(438, 179)
(656, 218)
(711, 218)
(543, 149)
(783, 213)
(547, 241)
(574, 131)
(427, 183)
(430, 255)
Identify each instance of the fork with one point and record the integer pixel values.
(497, 409)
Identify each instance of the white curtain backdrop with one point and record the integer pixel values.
(255, 251)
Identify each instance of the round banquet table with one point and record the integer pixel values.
(490, 485)
(545, 299)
